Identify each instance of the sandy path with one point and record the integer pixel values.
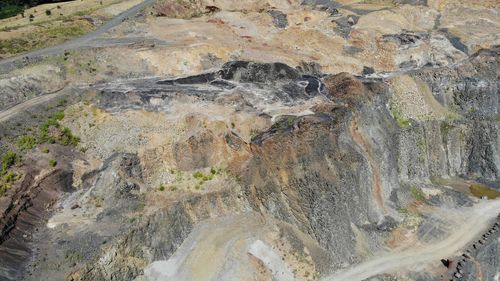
(25, 106)
(469, 224)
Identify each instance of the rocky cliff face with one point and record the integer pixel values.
(366, 163)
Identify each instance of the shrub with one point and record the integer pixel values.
(26, 142)
(10, 158)
(52, 163)
(14, 45)
(31, 17)
(9, 177)
(198, 175)
(417, 193)
(68, 138)
(62, 101)
(45, 150)
(162, 187)
(398, 116)
(48, 12)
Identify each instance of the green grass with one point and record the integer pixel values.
(403, 211)
(26, 142)
(45, 34)
(14, 46)
(66, 137)
(65, 32)
(480, 190)
(417, 193)
(398, 116)
(73, 256)
(9, 177)
(198, 175)
(213, 171)
(8, 160)
(446, 128)
(52, 163)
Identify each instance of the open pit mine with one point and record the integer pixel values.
(224, 140)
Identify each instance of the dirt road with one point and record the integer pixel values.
(84, 41)
(16, 109)
(468, 224)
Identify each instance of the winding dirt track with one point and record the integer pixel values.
(468, 224)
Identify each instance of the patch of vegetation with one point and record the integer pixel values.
(204, 178)
(417, 193)
(73, 256)
(446, 128)
(44, 35)
(198, 175)
(178, 176)
(480, 191)
(66, 31)
(14, 46)
(162, 187)
(421, 145)
(45, 150)
(10, 28)
(62, 136)
(284, 123)
(398, 116)
(8, 160)
(462, 136)
(62, 102)
(403, 211)
(10, 10)
(6, 182)
(9, 177)
(52, 162)
(26, 142)
(215, 171)
(3, 189)
(68, 138)
(51, 121)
